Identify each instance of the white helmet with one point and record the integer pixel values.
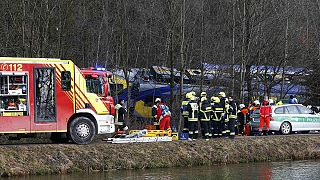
(257, 102)
(157, 100)
(242, 106)
(271, 101)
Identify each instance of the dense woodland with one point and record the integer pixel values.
(175, 33)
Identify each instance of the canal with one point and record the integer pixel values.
(309, 169)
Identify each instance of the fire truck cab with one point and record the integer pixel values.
(39, 95)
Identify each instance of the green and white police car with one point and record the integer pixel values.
(289, 118)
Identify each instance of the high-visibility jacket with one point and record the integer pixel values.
(232, 111)
(193, 110)
(217, 111)
(205, 109)
(265, 110)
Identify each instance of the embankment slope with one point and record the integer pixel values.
(30, 159)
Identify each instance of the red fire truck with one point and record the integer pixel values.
(54, 96)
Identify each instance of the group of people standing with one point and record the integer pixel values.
(217, 116)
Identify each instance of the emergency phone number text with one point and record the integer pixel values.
(11, 67)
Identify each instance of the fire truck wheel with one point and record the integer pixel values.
(82, 130)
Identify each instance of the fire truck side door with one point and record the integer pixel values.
(45, 116)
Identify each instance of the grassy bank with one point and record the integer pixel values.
(100, 156)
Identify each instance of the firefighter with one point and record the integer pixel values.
(216, 116)
(154, 115)
(193, 110)
(265, 116)
(243, 115)
(163, 115)
(232, 115)
(185, 113)
(224, 119)
(202, 94)
(204, 115)
(120, 121)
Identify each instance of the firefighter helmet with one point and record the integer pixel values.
(192, 98)
(242, 106)
(222, 94)
(215, 99)
(256, 102)
(188, 95)
(192, 93)
(203, 99)
(203, 94)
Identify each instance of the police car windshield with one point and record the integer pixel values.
(95, 85)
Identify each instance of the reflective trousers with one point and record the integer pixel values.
(193, 129)
(216, 128)
(206, 128)
(185, 125)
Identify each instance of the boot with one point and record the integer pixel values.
(195, 136)
(190, 137)
(266, 133)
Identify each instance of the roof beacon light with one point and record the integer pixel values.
(101, 69)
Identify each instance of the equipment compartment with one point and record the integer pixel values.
(13, 94)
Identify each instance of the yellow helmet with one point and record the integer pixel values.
(215, 99)
(192, 93)
(192, 98)
(222, 94)
(188, 95)
(203, 94)
(203, 98)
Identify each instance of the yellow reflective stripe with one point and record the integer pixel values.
(192, 119)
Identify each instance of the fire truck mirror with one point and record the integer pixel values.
(106, 89)
(66, 80)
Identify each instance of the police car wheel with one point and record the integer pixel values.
(285, 128)
(82, 130)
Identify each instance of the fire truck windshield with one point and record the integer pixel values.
(95, 85)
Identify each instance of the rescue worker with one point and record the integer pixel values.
(243, 115)
(232, 115)
(265, 116)
(224, 119)
(193, 110)
(154, 115)
(204, 115)
(254, 106)
(120, 120)
(185, 113)
(216, 116)
(202, 94)
(163, 115)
